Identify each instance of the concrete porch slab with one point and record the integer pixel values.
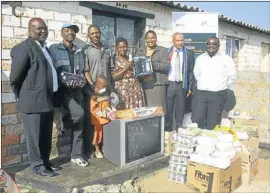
(100, 171)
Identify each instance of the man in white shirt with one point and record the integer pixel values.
(214, 72)
(34, 81)
(180, 81)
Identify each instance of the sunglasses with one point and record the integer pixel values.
(214, 44)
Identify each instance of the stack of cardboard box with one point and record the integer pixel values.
(184, 145)
(242, 122)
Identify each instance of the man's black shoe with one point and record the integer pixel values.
(46, 173)
(53, 168)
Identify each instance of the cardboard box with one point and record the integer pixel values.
(203, 178)
(249, 171)
(168, 147)
(168, 142)
(133, 113)
(249, 159)
(250, 150)
(237, 122)
(251, 126)
(168, 135)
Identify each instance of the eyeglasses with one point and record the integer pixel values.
(214, 44)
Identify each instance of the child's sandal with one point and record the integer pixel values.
(99, 155)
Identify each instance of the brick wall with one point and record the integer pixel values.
(252, 90)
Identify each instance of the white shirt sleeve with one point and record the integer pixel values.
(197, 69)
(231, 71)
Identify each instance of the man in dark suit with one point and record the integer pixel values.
(34, 82)
(180, 81)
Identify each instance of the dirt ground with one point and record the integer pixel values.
(158, 182)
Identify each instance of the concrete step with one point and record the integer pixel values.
(100, 171)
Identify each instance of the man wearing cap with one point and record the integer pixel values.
(68, 58)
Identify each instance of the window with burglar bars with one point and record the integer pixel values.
(232, 46)
(114, 26)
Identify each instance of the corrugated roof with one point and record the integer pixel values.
(221, 17)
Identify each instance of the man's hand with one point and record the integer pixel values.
(73, 84)
(189, 93)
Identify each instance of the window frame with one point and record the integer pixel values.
(115, 16)
(232, 52)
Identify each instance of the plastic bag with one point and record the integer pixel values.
(187, 119)
(225, 129)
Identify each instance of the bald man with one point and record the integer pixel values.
(33, 79)
(180, 81)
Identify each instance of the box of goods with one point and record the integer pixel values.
(168, 145)
(169, 135)
(251, 126)
(139, 112)
(214, 149)
(249, 159)
(203, 178)
(184, 144)
(249, 171)
(250, 150)
(177, 170)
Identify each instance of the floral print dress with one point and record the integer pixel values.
(128, 88)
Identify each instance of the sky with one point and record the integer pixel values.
(255, 13)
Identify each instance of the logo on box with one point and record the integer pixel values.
(207, 178)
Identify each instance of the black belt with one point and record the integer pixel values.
(176, 82)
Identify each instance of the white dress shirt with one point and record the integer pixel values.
(215, 73)
(171, 76)
(50, 61)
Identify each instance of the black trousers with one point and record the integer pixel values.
(73, 118)
(208, 107)
(176, 104)
(88, 131)
(38, 134)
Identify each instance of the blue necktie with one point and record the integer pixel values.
(177, 66)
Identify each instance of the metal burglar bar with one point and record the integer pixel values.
(114, 26)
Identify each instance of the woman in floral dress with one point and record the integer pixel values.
(127, 85)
